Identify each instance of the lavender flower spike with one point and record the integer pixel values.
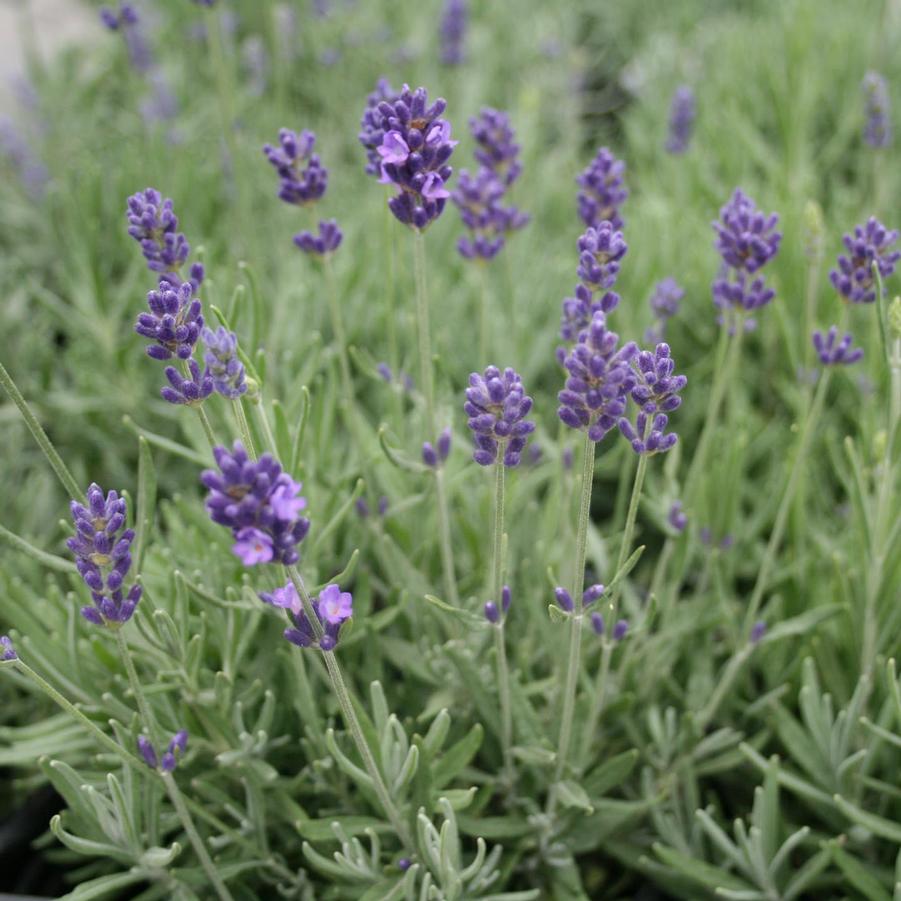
(497, 147)
(372, 125)
(868, 245)
(327, 241)
(7, 651)
(664, 303)
(603, 190)
(600, 250)
(877, 131)
(599, 381)
(259, 503)
(173, 323)
(656, 393)
(298, 185)
(223, 365)
(497, 405)
(102, 549)
(479, 199)
(192, 391)
(153, 224)
(453, 31)
(681, 120)
(414, 152)
(332, 608)
(835, 354)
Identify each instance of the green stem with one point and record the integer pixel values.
(626, 546)
(769, 557)
(497, 553)
(575, 618)
(503, 671)
(147, 719)
(723, 686)
(197, 843)
(422, 324)
(338, 329)
(263, 419)
(447, 549)
(244, 428)
(350, 717)
(56, 462)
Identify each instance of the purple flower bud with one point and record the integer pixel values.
(327, 241)
(564, 599)
(758, 631)
(384, 370)
(592, 594)
(597, 623)
(153, 224)
(7, 651)
(147, 751)
(877, 131)
(221, 358)
(676, 517)
(497, 405)
(191, 391)
(362, 507)
(603, 190)
(492, 614)
(404, 864)
(868, 245)
(302, 177)
(429, 456)
(506, 598)
(620, 630)
(444, 444)
(681, 120)
(835, 354)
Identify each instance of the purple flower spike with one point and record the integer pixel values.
(191, 391)
(506, 598)
(332, 608)
(868, 245)
(746, 240)
(592, 594)
(497, 405)
(564, 599)
(664, 303)
(620, 630)
(835, 354)
(147, 752)
(109, 18)
(223, 365)
(7, 651)
(758, 631)
(174, 322)
(372, 129)
(681, 120)
(415, 149)
(600, 379)
(603, 190)
(676, 517)
(479, 199)
(492, 614)
(153, 224)
(877, 131)
(102, 549)
(656, 393)
(600, 250)
(597, 623)
(327, 241)
(259, 503)
(303, 178)
(497, 147)
(453, 31)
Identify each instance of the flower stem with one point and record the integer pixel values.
(263, 418)
(53, 458)
(350, 717)
(171, 786)
(244, 427)
(338, 328)
(503, 671)
(575, 618)
(769, 557)
(447, 548)
(422, 325)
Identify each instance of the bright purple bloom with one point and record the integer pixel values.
(600, 379)
(492, 614)
(7, 651)
(258, 502)
(758, 631)
(497, 405)
(497, 147)
(877, 131)
(327, 241)
(835, 354)
(303, 177)
(564, 599)
(174, 322)
(747, 240)
(102, 549)
(664, 303)
(285, 597)
(681, 120)
(334, 605)
(603, 190)
(620, 630)
(223, 365)
(372, 130)
(153, 224)
(676, 517)
(420, 171)
(191, 390)
(656, 393)
(868, 245)
(453, 31)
